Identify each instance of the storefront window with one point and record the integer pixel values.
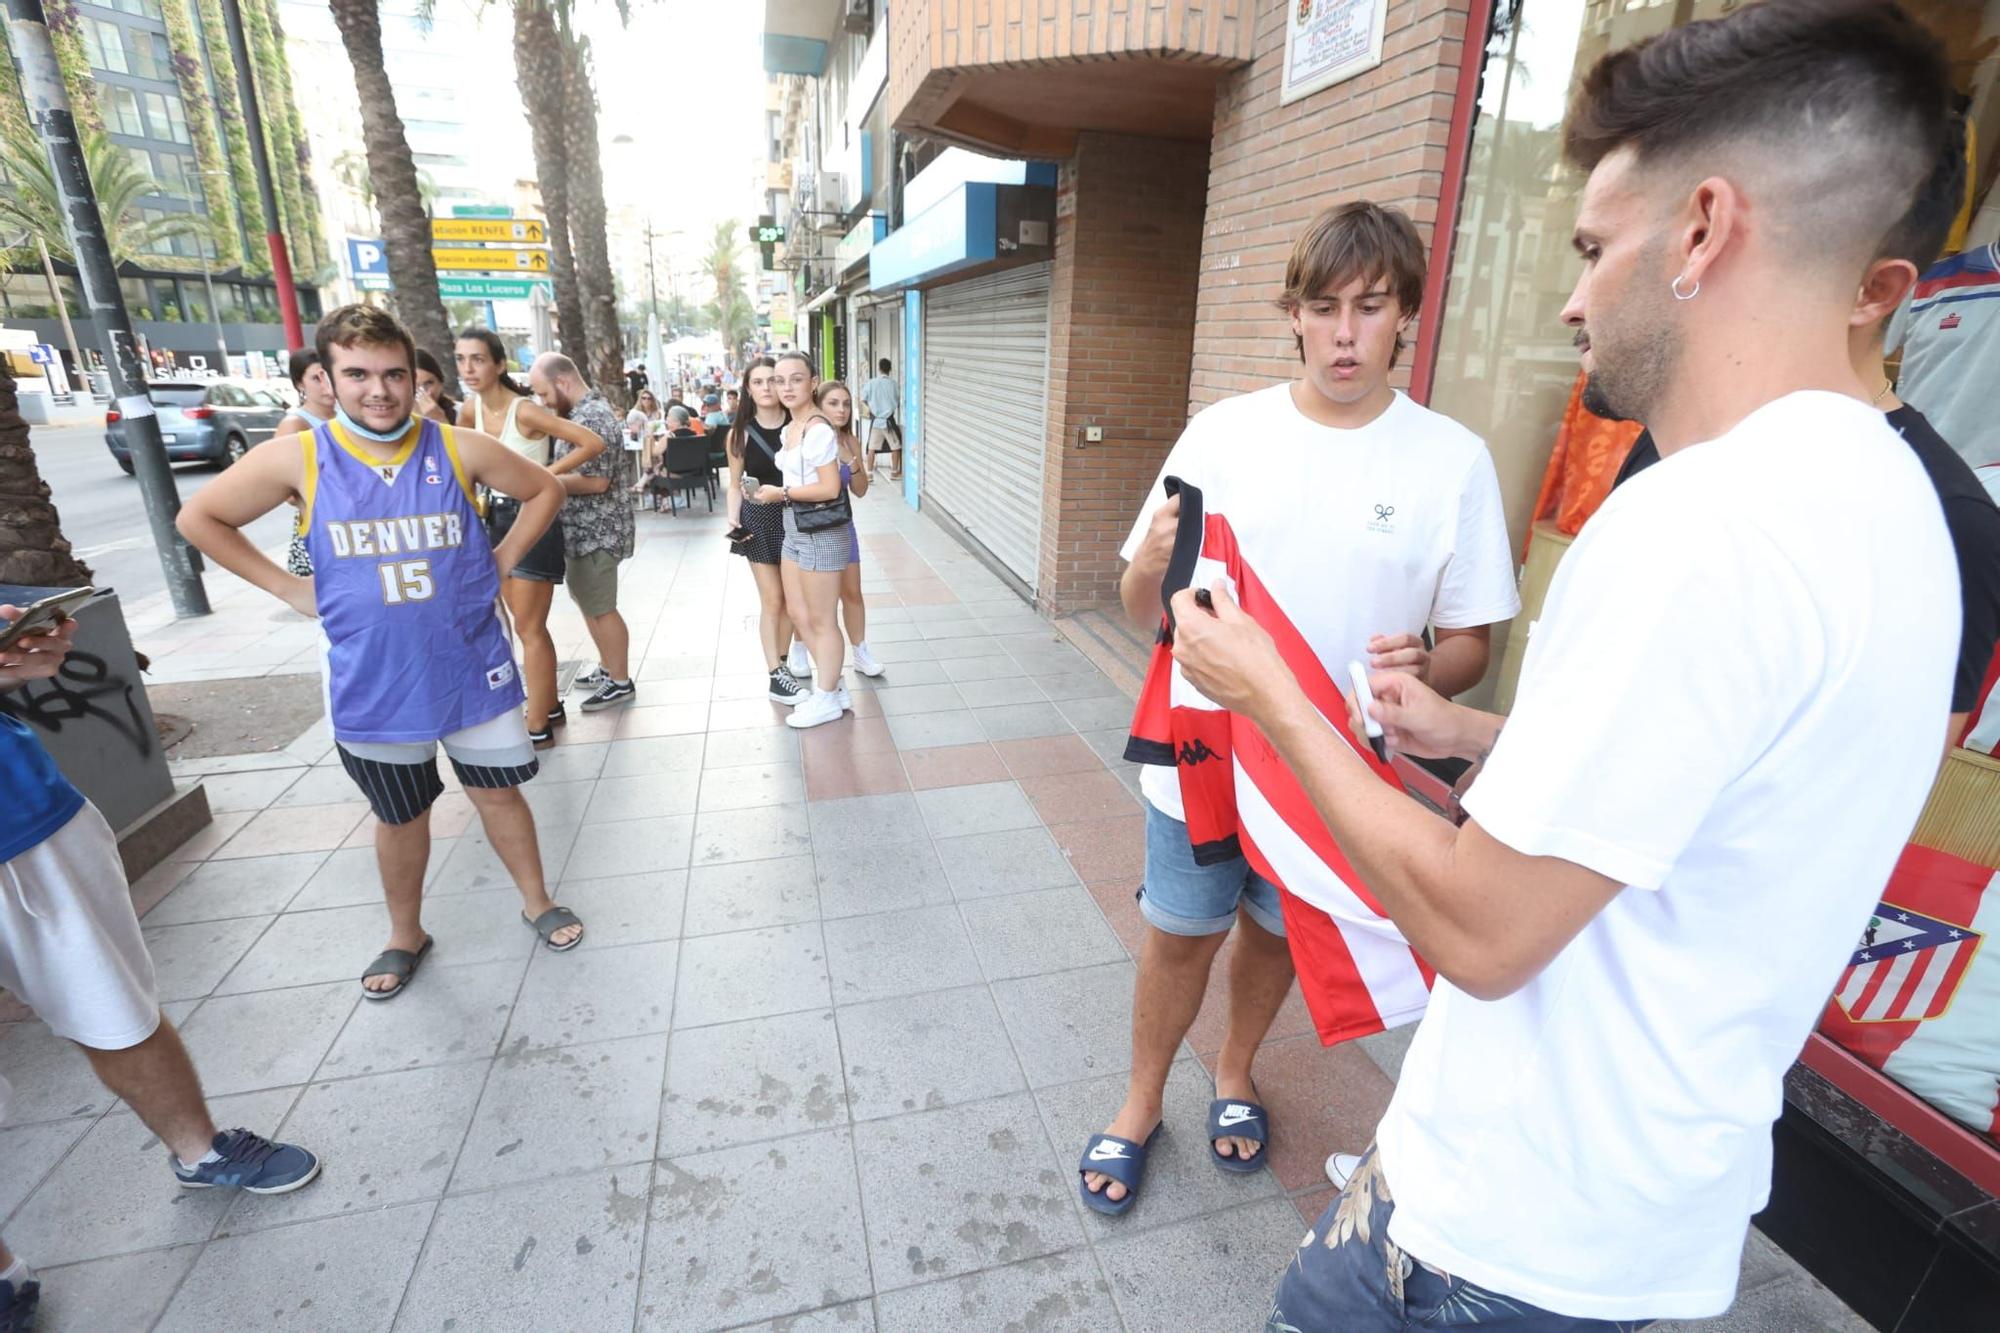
(1506, 368)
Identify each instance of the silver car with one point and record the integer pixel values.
(218, 421)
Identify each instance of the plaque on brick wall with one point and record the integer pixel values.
(1327, 41)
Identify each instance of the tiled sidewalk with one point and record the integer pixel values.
(849, 1004)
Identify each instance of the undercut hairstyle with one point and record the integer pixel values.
(1837, 109)
(1356, 240)
(739, 429)
(1921, 234)
(362, 326)
(298, 363)
(498, 351)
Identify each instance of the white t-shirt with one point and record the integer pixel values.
(1734, 703)
(1380, 530)
(800, 463)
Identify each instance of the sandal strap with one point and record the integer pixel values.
(1119, 1159)
(553, 920)
(1237, 1118)
(400, 963)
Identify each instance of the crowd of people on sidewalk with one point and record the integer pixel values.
(1618, 942)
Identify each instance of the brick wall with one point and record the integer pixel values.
(1128, 244)
(1380, 136)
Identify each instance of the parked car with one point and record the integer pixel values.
(218, 421)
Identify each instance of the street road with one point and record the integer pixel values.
(104, 517)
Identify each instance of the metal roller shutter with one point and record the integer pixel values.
(986, 370)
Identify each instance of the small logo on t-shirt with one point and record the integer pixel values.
(1196, 751)
(1383, 519)
(499, 675)
(433, 480)
(1948, 322)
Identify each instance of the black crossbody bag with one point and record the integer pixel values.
(815, 515)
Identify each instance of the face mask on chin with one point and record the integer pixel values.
(348, 423)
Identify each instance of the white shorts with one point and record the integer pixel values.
(70, 947)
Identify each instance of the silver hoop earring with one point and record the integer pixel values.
(1679, 295)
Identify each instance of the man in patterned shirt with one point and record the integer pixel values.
(597, 525)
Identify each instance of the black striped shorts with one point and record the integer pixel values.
(401, 781)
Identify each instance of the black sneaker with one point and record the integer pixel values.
(591, 679)
(17, 1306)
(785, 687)
(559, 715)
(542, 739)
(609, 693)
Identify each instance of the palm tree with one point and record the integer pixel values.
(538, 65)
(33, 550)
(605, 351)
(31, 207)
(734, 315)
(406, 228)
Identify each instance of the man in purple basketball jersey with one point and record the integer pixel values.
(406, 588)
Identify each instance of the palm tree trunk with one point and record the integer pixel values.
(538, 67)
(33, 549)
(406, 229)
(586, 201)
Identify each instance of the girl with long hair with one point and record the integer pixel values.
(754, 442)
(815, 550)
(836, 400)
(497, 405)
(433, 399)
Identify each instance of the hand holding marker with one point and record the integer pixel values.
(1364, 701)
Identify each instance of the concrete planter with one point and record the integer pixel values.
(95, 719)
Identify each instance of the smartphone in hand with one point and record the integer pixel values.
(44, 615)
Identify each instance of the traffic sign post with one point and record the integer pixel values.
(513, 231)
(468, 260)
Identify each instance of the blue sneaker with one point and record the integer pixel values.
(251, 1163)
(17, 1306)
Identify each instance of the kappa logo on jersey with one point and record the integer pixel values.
(499, 675)
(1907, 967)
(1196, 751)
(1382, 521)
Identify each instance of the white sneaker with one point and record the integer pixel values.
(846, 699)
(864, 661)
(799, 661)
(821, 706)
(1340, 1168)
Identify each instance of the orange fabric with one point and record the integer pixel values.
(1589, 451)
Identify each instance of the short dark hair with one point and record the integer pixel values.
(301, 360)
(362, 326)
(884, 365)
(1861, 81)
(1921, 234)
(1355, 240)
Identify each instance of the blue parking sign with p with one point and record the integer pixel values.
(367, 258)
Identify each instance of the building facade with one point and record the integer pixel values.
(156, 77)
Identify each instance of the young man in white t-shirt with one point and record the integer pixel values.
(1728, 717)
(1370, 519)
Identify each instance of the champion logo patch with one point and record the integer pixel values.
(433, 480)
(499, 675)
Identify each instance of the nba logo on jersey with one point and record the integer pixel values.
(431, 477)
(499, 675)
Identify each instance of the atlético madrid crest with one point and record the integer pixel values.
(1907, 967)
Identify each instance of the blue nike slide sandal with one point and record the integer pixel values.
(1234, 1118)
(1123, 1161)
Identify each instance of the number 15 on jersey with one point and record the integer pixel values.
(406, 581)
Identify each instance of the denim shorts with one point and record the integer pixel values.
(1183, 898)
(1348, 1275)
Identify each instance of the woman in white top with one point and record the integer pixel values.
(642, 425)
(498, 406)
(809, 470)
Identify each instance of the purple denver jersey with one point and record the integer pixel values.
(407, 590)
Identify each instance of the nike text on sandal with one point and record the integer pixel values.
(1116, 1159)
(398, 963)
(251, 1163)
(1234, 1118)
(553, 920)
